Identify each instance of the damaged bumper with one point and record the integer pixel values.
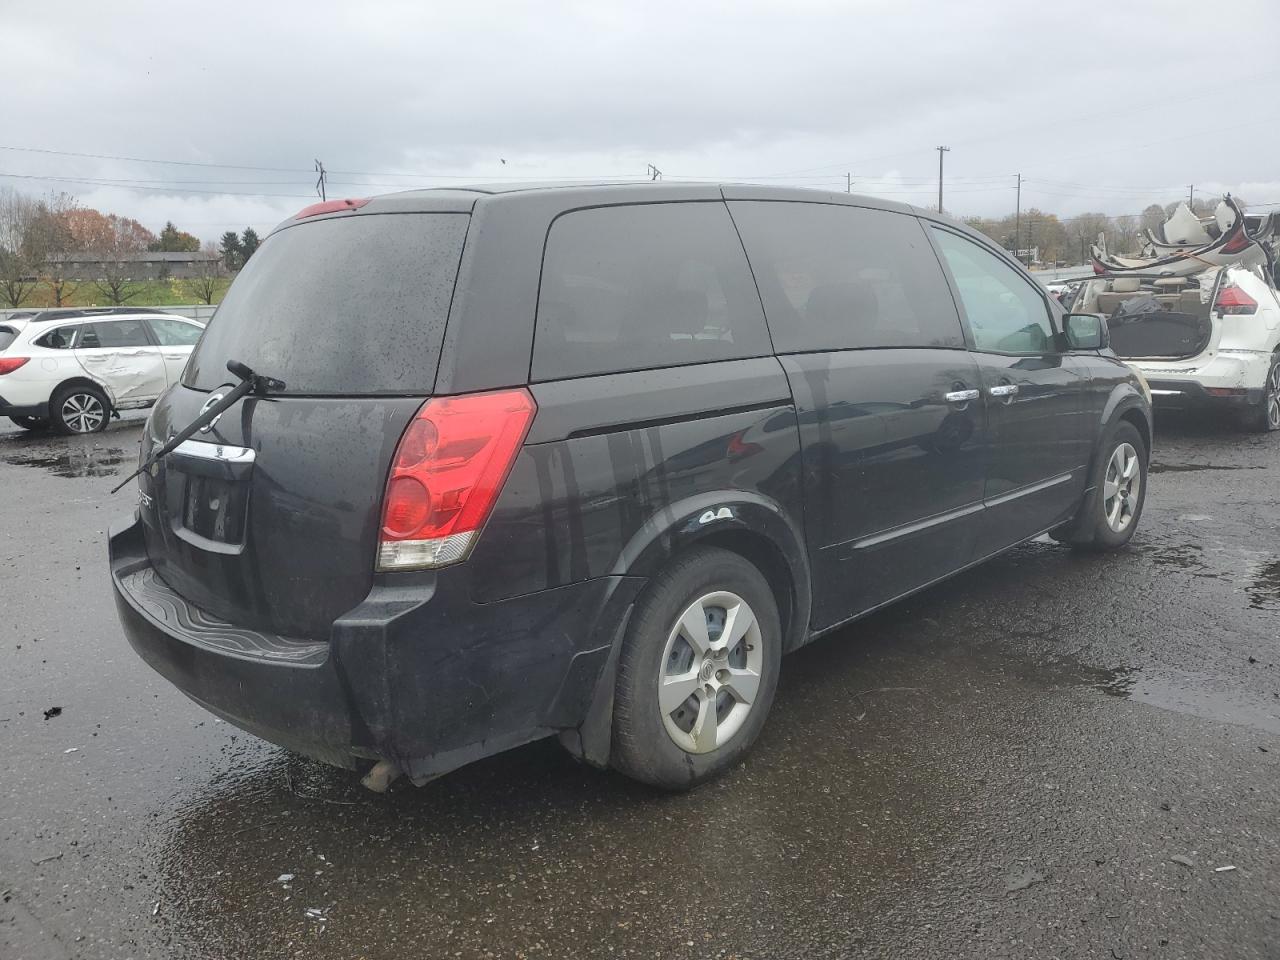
(1229, 378)
(417, 674)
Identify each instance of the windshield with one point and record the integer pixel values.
(348, 305)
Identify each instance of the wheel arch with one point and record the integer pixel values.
(83, 381)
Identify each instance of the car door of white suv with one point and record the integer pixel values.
(176, 338)
(119, 354)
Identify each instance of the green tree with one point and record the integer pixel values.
(249, 242)
(232, 252)
(173, 240)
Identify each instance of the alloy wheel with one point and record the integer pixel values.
(83, 412)
(710, 672)
(1271, 402)
(1120, 487)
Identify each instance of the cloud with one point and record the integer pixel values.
(421, 94)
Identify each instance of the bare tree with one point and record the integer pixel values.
(17, 273)
(1126, 233)
(208, 274)
(50, 242)
(116, 250)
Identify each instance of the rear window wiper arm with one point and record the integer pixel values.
(250, 382)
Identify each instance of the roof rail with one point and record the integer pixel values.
(79, 312)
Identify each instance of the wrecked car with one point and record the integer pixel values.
(1199, 314)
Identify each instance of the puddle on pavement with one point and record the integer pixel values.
(1264, 589)
(75, 462)
(1196, 694)
(1186, 557)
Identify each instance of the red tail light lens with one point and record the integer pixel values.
(1238, 242)
(330, 206)
(1232, 301)
(446, 476)
(10, 364)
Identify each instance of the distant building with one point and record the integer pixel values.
(146, 265)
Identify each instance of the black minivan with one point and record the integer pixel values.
(588, 460)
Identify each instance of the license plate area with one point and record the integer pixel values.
(213, 485)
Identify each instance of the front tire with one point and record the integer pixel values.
(1265, 417)
(697, 672)
(79, 410)
(1110, 514)
(31, 423)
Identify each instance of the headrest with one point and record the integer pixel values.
(1126, 285)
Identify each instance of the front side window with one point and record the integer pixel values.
(644, 286)
(174, 333)
(59, 338)
(114, 334)
(1005, 312)
(835, 277)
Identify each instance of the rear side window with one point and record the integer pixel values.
(348, 305)
(174, 333)
(644, 286)
(7, 336)
(835, 277)
(59, 338)
(114, 334)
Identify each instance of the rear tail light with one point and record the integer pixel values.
(330, 206)
(1237, 242)
(10, 364)
(446, 476)
(1225, 391)
(1232, 301)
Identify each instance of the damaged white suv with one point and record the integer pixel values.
(72, 370)
(1209, 339)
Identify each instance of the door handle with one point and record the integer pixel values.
(1006, 390)
(176, 356)
(960, 396)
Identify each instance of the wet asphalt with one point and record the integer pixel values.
(1004, 766)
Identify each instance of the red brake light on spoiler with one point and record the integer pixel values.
(331, 206)
(448, 470)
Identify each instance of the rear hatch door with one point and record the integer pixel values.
(269, 518)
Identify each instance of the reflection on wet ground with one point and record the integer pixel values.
(1192, 467)
(104, 454)
(77, 461)
(1264, 590)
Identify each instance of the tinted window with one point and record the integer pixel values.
(835, 277)
(59, 338)
(1005, 311)
(637, 287)
(114, 334)
(348, 305)
(7, 336)
(175, 333)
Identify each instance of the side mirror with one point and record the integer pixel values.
(1086, 331)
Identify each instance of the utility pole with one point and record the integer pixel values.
(848, 183)
(1017, 221)
(1192, 201)
(653, 172)
(941, 151)
(321, 180)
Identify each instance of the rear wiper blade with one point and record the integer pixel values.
(250, 382)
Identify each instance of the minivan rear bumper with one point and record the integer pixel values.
(417, 674)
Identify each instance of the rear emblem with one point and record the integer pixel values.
(207, 404)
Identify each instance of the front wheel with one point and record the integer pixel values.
(1265, 417)
(697, 671)
(1110, 514)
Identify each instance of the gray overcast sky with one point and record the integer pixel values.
(1101, 106)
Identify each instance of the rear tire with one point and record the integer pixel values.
(708, 627)
(1265, 416)
(31, 423)
(1110, 514)
(79, 410)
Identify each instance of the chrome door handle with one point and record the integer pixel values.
(1003, 390)
(960, 396)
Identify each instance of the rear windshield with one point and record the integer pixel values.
(350, 305)
(7, 336)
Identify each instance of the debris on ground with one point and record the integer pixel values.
(155, 908)
(52, 856)
(53, 712)
(1225, 869)
(1020, 881)
(1185, 861)
(284, 878)
(71, 750)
